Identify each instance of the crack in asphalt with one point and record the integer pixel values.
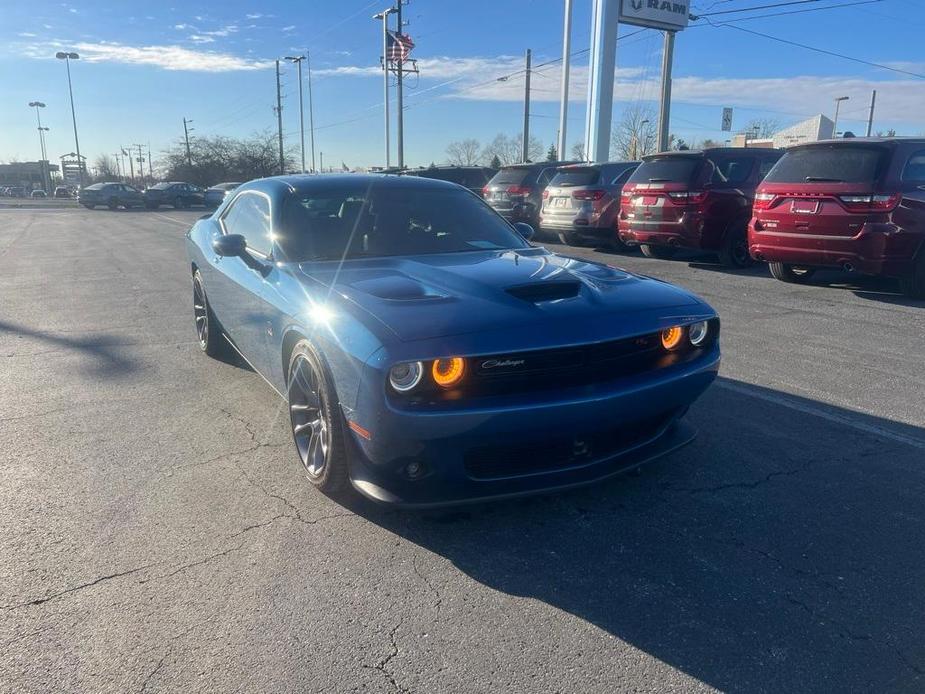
(439, 598)
(381, 665)
(88, 584)
(742, 485)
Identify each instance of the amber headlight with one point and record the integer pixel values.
(448, 372)
(671, 337)
(404, 377)
(697, 333)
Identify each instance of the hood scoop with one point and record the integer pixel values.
(545, 291)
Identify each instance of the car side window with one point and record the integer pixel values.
(249, 215)
(622, 177)
(545, 177)
(914, 170)
(765, 166)
(732, 171)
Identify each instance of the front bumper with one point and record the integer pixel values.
(877, 249)
(566, 439)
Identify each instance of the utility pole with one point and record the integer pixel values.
(131, 167)
(870, 120)
(150, 170)
(566, 57)
(122, 159)
(119, 171)
(297, 59)
(141, 164)
(384, 16)
(400, 119)
(311, 106)
(321, 166)
(525, 149)
(279, 120)
(189, 156)
(664, 113)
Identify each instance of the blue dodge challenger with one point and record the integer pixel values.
(429, 354)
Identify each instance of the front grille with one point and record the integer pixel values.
(548, 454)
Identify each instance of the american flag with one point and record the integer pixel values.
(398, 46)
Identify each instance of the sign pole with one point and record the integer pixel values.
(600, 84)
(664, 113)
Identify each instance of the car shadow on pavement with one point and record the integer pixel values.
(104, 351)
(781, 551)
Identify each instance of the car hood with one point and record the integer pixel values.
(424, 297)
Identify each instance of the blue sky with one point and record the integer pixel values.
(147, 65)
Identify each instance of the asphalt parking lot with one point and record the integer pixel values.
(156, 533)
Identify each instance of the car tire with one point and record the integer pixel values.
(794, 274)
(569, 238)
(660, 252)
(208, 329)
(734, 251)
(178, 203)
(913, 284)
(113, 204)
(89, 207)
(316, 421)
(617, 245)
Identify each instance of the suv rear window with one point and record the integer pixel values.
(510, 176)
(667, 170)
(582, 176)
(834, 164)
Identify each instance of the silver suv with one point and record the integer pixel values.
(582, 202)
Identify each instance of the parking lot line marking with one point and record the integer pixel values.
(822, 413)
(165, 217)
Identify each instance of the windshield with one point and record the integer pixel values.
(582, 176)
(832, 164)
(667, 170)
(161, 186)
(330, 224)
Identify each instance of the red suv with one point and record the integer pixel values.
(699, 200)
(856, 204)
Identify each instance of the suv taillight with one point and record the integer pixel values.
(485, 191)
(870, 203)
(763, 200)
(692, 197)
(589, 194)
(545, 193)
(519, 190)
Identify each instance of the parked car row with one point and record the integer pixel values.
(857, 204)
(175, 193)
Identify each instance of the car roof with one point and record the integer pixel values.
(537, 164)
(864, 140)
(306, 182)
(712, 151)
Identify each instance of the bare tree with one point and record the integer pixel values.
(218, 158)
(578, 151)
(463, 152)
(105, 166)
(508, 149)
(635, 134)
(763, 127)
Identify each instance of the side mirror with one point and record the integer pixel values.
(525, 230)
(230, 246)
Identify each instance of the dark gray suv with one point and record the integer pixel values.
(516, 191)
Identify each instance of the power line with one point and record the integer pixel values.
(784, 14)
(757, 7)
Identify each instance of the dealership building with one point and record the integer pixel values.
(27, 174)
(810, 130)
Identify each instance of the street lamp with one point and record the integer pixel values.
(43, 164)
(838, 101)
(384, 16)
(67, 57)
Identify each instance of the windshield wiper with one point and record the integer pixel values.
(822, 179)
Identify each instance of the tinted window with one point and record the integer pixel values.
(622, 177)
(510, 176)
(732, 171)
(249, 215)
(545, 176)
(669, 169)
(161, 186)
(328, 224)
(835, 163)
(765, 165)
(95, 186)
(576, 176)
(914, 169)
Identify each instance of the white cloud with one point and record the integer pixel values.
(199, 38)
(26, 34)
(291, 27)
(181, 27)
(176, 58)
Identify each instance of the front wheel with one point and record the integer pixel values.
(178, 203)
(794, 274)
(208, 329)
(660, 252)
(317, 425)
(734, 251)
(113, 204)
(913, 284)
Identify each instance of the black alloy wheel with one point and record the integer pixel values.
(734, 252)
(660, 252)
(795, 274)
(207, 328)
(317, 427)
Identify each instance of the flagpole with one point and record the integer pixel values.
(398, 91)
(384, 16)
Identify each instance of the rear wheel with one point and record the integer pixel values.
(795, 274)
(113, 203)
(208, 329)
(661, 252)
(317, 425)
(913, 284)
(734, 251)
(178, 203)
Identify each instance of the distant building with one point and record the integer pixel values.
(27, 174)
(810, 130)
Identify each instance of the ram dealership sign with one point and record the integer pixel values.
(656, 14)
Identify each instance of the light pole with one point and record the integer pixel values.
(384, 16)
(311, 106)
(838, 101)
(43, 165)
(298, 61)
(67, 58)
